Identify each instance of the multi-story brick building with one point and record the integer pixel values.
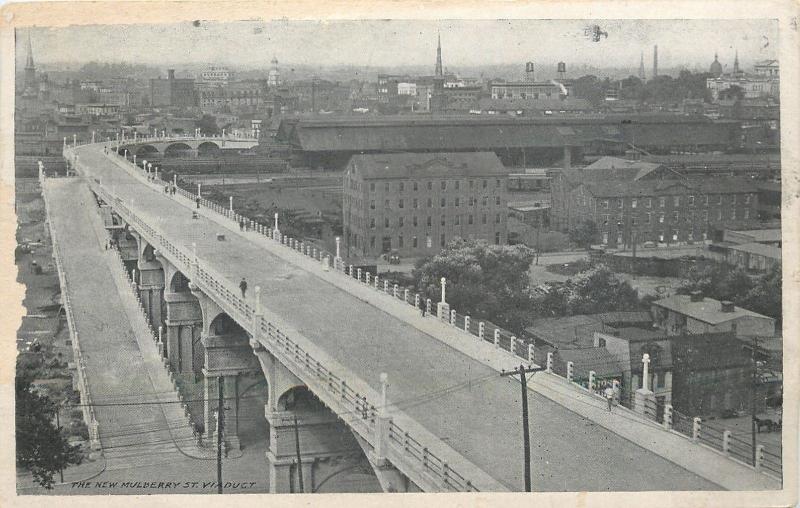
(175, 92)
(415, 203)
(638, 202)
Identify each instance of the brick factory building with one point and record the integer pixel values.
(415, 203)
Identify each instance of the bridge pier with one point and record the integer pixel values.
(184, 322)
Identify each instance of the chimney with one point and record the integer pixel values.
(696, 296)
(727, 306)
(171, 73)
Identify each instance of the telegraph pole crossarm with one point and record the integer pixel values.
(526, 438)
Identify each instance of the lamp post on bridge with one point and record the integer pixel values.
(93, 132)
(230, 203)
(74, 140)
(198, 189)
(444, 285)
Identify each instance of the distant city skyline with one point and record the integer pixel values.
(400, 43)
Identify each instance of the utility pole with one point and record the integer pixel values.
(297, 451)
(526, 438)
(220, 427)
(753, 428)
(58, 426)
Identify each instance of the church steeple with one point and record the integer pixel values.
(29, 82)
(29, 62)
(641, 67)
(438, 70)
(736, 63)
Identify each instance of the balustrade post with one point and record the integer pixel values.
(759, 457)
(481, 329)
(570, 368)
(428, 306)
(405, 295)
(726, 442)
(466, 324)
(394, 290)
(416, 300)
(549, 368)
(592, 376)
(696, 423)
(385, 286)
(496, 337)
(531, 354)
(453, 316)
(667, 416)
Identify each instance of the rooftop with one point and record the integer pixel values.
(427, 165)
(761, 249)
(707, 310)
(599, 359)
(761, 235)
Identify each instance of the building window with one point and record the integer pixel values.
(458, 184)
(372, 223)
(662, 202)
(400, 203)
(386, 204)
(605, 204)
(372, 186)
(485, 183)
(430, 185)
(416, 186)
(705, 199)
(402, 186)
(415, 203)
(386, 187)
(497, 200)
(414, 220)
(444, 184)
(719, 199)
(472, 201)
(647, 218)
(400, 222)
(676, 201)
(705, 215)
(457, 201)
(661, 218)
(371, 242)
(469, 219)
(497, 238)
(485, 200)
(429, 220)
(649, 203)
(675, 217)
(733, 213)
(483, 219)
(733, 199)
(497, 183)
(371, 204)
(472, 184)
(747, 199)
(400, 242)
(430, 202)
(442, 240)
(719, 214)
(428, 242)
(634, 202)
(386, 222)
(442, 202)
(442, 220)
(619, 203)
(414, 241)
(605, 220)
(633, 220)
(746, 213)
(497, 218)
(457, 220)
(691, 200)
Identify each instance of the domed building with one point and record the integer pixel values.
(716, 67)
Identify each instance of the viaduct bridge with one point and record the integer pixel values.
(349, 363)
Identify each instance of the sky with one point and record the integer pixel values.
(407, 42)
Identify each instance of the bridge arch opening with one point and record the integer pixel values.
(147, 151)
(178, 150)
(208, 149)
(179, 283)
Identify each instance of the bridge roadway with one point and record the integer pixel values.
(481, 420)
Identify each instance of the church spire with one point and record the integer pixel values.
(29, 62)
(438, 69)
(736, 63)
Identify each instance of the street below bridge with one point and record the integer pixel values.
(472, 408)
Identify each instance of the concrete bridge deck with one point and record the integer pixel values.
(142, 440)
(480, 420)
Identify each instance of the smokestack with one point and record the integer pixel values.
(655, 61)
(567, 157)
(171, 73)
(727, 306)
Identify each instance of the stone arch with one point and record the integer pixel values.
(147, 151)
(178, 282)
(208, 148)
(177, 150)
(223, 324)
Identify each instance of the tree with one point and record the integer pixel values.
(765, 296)
(208, 125)
(600, 290)
(583, 234)
(484, 281)
(42, 447)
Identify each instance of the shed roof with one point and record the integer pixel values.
(708, 310)
(769, 251)
(427, 165)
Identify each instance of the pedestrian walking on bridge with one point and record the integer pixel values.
(243, 287)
